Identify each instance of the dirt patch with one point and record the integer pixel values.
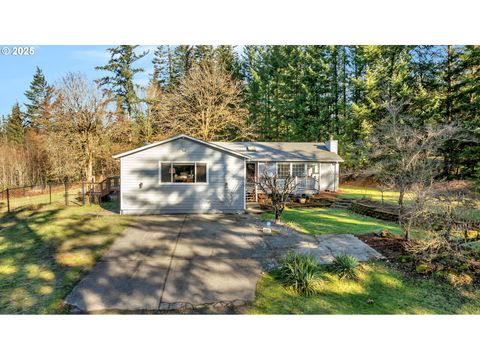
(353, 180)
(390, 246)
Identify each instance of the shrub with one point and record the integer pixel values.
(345, 266)
(300, 273)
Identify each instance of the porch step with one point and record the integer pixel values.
(254, 208)
(250, 197)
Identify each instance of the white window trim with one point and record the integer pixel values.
(284, 163)
(290, 164)
(179, 183)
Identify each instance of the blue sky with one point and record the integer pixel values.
(16, 72)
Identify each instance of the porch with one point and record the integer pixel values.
(310, 177)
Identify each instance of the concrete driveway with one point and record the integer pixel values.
(171, 262)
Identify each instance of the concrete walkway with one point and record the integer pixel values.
(322, 247)
(326, 247)
(169, 262)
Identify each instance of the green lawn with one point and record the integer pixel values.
(332, 221)
(357, 192)
(379, 290)
(44, 253)
(391, 196)
(58, 196)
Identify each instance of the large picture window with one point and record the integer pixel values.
(183, 173)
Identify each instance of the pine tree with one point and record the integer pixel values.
(121, 82)
(183, 60)
(163, 74)
(15, 131)
(204, 55)
(40, 97)
(227, 59)
(462, 101)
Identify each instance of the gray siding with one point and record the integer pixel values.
(224, 192)
(328, 177)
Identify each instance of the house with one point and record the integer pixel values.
(187, 175)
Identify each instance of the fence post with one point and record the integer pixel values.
(50, 192)
(83, 193)
(8, 200)
(119, 197)
(92, 192)
(66, 193)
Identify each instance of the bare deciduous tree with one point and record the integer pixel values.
(442, 217)
(79, 117)
(278, 190)
(405, 156)
(207, 104)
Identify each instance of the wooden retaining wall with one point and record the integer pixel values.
(377, 213)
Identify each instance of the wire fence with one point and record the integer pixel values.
(68, 194)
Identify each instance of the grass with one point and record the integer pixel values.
(357, 192)
(45, 252)
(391, 196)
(380, 289)
(16, 202)
(316, 221)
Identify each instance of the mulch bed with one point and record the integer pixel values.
(390, 246)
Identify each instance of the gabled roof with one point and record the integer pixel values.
(181, 136)
(283, 151)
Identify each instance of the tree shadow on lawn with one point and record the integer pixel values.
(379, 290)
(44, 252)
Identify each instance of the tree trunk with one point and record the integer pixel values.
(401, 213)
(89, 164)
(448, 102)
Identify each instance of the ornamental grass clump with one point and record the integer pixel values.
(299, 272)
(345, 266)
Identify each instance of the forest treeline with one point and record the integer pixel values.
(69, 128)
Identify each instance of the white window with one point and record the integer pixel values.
(312, 169)
(183, 172)
(283, 170)
(298, 170)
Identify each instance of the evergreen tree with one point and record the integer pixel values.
(40, 97)
(204, 55)
(163, 74)
(227, 59)
(121, 82)
(15, 131)
(183, 60)
(461, 104)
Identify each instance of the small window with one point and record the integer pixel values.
(166, 171)
(283, 171)
(298, 170)
(201, 173)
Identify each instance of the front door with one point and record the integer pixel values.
(251, 172)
